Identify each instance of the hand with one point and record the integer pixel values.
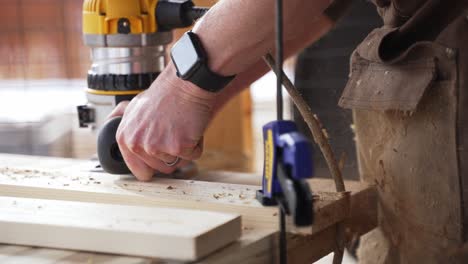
(162, 123)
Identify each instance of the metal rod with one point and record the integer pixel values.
(279, 112)
(279, 59)
(283, 247)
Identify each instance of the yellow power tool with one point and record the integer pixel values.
(128, 40)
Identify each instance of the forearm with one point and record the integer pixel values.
(321, 26)
(236, 34)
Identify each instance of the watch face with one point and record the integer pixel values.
(185, 56)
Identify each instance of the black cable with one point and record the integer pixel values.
(279, 111)
(279, 59)
(283, 254)
(196, 12)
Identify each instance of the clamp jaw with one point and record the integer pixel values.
(288, 163)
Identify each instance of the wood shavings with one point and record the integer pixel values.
(24, 173)
(219, 195)
(325, 133)
(315, 197)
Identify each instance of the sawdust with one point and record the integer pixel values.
(218, 196)
(316, 197)
(14, 173)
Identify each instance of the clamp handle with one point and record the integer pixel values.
(108, 149)
(296, 198)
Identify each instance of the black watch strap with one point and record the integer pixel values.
(204, 78)
(191, 62)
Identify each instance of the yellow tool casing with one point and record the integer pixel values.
(128, 41)
(102, 16)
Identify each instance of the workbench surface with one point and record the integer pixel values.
(74, 180)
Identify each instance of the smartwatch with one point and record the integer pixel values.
(191, 63)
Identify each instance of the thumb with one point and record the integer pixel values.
(119, 109)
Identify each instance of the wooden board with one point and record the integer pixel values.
(68, 179)
(156, 232)
(77, 183)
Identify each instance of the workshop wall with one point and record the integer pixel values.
(42, 39)
(321, 75)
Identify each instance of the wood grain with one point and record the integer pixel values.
(68, 179)
(72, 180)
(166, 233)
(81, 185)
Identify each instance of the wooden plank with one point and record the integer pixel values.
(85, 186)
(73, 181)
(229, 145)
(12, 254)
(166, 233)
(259, 234)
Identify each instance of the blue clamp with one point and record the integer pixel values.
(287, 165)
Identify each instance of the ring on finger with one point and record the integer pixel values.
(171, 164)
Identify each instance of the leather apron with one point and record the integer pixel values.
(408, 89)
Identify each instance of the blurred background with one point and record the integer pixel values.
(43, 65)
